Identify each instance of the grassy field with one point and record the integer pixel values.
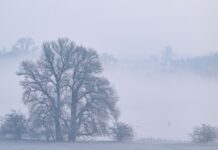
(21, 145)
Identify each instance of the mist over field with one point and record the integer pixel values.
(160, 58)
(157, 102)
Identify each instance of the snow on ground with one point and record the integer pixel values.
(21, 145)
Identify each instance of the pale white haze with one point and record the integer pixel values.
(157, 103)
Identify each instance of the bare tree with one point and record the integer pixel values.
(67, 83)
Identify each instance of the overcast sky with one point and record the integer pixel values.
(127, 27)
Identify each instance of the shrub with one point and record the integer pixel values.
(204, 134)
(13, 125)
(122, 132)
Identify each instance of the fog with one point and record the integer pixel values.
(165, 105)
(158, 103)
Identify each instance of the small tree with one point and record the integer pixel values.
(122, 132)
(204, 134)
(14, 125)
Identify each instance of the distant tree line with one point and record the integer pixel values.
(22, 46)
(67, 97)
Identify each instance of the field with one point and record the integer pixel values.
(21, 145)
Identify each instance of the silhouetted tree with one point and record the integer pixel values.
(66, 83)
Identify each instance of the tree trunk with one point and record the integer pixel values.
(73, 125)
(58, 132)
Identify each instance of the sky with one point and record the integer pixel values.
(121, 27)
(171, 104)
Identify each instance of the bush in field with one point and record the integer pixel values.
(204, 134)
(122, 132)
(13, 125)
